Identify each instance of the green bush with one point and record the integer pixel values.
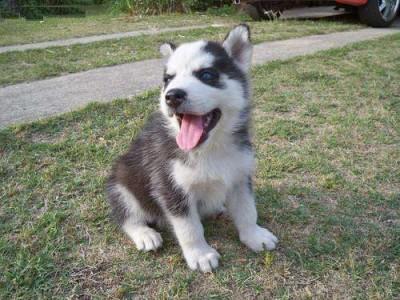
(53, 2)
(148, 7)
(226, 10)
(199, 5)
(8, 9)
(36, 9)
(152, 7)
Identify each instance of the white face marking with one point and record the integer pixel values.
(188, 58)
(203, 98)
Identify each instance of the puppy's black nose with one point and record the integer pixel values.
(175, 97)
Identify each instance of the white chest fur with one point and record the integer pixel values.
(208, 178)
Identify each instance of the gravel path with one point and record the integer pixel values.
(39, 99)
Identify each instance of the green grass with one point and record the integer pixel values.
(98, 21)
(327, 136)
(37, 64)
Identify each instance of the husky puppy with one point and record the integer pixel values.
(194, 157)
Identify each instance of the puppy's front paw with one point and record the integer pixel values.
(202, 258)
(258, 239)
(146, 239)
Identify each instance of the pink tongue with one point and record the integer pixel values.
(190, 133)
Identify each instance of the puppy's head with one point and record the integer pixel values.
(205, 87)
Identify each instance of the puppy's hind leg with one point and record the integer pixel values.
(132, 218)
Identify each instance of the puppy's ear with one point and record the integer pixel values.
(167, 49)
(238, 45)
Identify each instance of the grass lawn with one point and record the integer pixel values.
(327, 136)
(37, 64)
(98, 20)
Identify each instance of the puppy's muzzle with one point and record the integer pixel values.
(175, 97)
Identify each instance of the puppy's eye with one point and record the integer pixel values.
(208, 75)
(167, 78)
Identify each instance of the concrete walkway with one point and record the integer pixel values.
(102, 37)
(294, 13)
(35, 100)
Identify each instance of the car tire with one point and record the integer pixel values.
(379, 13)
(252, 11)
(257, 12)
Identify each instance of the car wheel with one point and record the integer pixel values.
(379, 13)
(252, 11)
(258, 12)
(271, 14)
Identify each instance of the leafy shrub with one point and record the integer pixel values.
(53, 2)
(199, 5)
(36, 9)
(225, 10)
(8, 8)
(148, 7)
(152, 7)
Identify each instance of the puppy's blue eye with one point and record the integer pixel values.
(208, 75)
(167, 78)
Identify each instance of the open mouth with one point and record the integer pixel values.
(194, 129)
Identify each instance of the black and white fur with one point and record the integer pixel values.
(156, 182)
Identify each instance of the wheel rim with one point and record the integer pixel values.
(272, 14)
(388, 8)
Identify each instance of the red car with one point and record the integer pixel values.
(376, 13)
